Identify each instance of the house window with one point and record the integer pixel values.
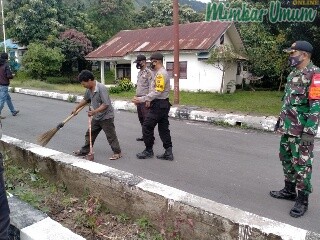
(183, 69)
(123, 71)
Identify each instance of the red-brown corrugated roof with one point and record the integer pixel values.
(193, 36)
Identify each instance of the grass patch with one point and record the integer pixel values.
(259, 102)
(245, 102)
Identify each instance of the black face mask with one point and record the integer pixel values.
(138, 65)
(295, 61)
(153, 65)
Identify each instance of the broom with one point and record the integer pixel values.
(44, 138)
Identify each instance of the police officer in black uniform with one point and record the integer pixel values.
(158, 102)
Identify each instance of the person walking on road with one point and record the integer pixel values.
(5, 76)
(158, 102)
(102, 113)
(298, 122)
(143, 85)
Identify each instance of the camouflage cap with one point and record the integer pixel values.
(300, 46)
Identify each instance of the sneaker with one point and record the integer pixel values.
(139, 139)
(15, 113)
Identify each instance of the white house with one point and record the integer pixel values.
(196, 42)
(14, 50)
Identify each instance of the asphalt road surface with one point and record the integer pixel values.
(236, 167)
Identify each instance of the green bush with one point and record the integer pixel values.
(40, 61)
(125, 85)
(59, 80)
(115, 89)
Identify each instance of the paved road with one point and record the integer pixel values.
(231, 166)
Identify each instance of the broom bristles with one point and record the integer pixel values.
(44, 138)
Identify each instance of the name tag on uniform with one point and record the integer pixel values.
(160, 83)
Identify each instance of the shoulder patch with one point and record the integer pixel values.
(160, 83)
(314, 92)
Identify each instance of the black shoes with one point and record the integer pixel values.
(147, 153)
(139, 139)
(301, 205)
(288, 192)
(168, 155)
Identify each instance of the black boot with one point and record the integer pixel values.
(288, 192)
(168, 155)
(301, 205)
(147, 153)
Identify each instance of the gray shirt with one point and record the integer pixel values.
(99, 96)
(143, 82)
(160, 86)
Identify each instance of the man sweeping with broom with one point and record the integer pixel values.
(102, 114)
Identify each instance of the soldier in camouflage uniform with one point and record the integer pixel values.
(298, 122)
(158, 100)
(143, 85)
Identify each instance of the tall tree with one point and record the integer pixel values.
(29, 21)
(160, 14)
(111, 16)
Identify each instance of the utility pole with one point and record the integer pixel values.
(176, 64)
(3, 28)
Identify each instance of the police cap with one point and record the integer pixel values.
(156, 56)
(140, 58)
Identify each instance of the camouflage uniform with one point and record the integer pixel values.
(298, 115)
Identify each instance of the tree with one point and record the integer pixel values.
(35, 20)
(111, 16)
(223, 57)
(160, 13)
(264, 50)
(40, 61)
(31, 20)
(75, 45)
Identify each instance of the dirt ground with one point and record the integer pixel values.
(86, 216)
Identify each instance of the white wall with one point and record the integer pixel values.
(200, 75)
(230, 75)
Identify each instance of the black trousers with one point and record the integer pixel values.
(158, 114)
(4, 207)
(142, 112)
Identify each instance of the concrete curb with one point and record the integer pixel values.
(265, 123)
(35, 225)
(166, 207)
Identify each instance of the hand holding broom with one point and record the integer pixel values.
(44, 138)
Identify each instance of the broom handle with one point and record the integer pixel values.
(72, 115)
